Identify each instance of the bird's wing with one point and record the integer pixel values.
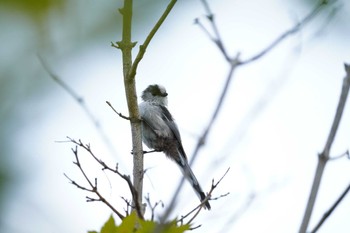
(152, 116)
(169, 120)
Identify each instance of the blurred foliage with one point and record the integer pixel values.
(34, 9)
(134, 224)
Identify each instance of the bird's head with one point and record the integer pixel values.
(156, 94)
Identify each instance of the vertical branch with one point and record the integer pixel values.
(324, 156)
(129, 71)
(130, 91)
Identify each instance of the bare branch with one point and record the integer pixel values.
(93, 186)
(148, 39)
(194, 228)
(132, 189)
(290, 32)
(81, 102)
(330, 211)
(153, 206)
(118, 113)
(216, 38)
(68, 89)
(324, 156)
(205, 134)
(346, 153)
(213, 186)
(235, 62)
(128, 204)
(202, 204)
(76, 184)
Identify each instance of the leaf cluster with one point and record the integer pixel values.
(133, 223)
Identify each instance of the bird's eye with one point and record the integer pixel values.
(156, 93)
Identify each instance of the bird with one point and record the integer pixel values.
(160, 133)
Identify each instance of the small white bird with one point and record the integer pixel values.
(160, 132)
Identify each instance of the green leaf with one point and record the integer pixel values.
(172, 227)
(109, 226)
(133, 224)
(146, 226)
(128, 224)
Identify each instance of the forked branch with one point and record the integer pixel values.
(93, 187)
(132, 189)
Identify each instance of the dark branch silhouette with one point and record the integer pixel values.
(93, 188)
(132, 189)
(330, 211)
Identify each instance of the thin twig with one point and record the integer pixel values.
(330, 211)
(81, 102)
(93, 186)
(148, 39)
(324, 156)
(216, 38)
(132, 189)
(213, 186)
(235, 62)
(118, 113)
(208, 197)
(128, 204)
(153, 206)
(205, 134)
(68, 89)
(198, 208)
(346, 153)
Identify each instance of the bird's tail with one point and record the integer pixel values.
(187, 172)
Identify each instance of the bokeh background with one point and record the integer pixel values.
(274, 122)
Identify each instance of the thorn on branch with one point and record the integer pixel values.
(115, 45)
(123, 45)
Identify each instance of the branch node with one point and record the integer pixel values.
(115, 45)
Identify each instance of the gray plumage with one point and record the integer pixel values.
(160, 132)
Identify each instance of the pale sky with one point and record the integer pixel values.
(275, 119)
